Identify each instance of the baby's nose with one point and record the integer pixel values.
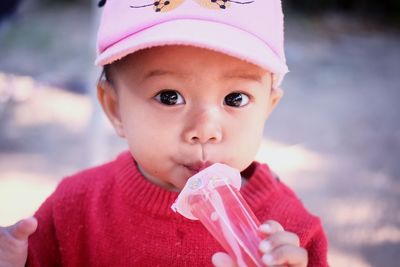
(204, 126)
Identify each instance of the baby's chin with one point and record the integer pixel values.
(173, 186)
(171, 181)
(178, 184)
(170, 186)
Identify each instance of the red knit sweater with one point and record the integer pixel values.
(112, 216)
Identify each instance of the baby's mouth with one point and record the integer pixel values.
(198, 166)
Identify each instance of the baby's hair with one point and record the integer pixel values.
(101, 3)
(105, 74)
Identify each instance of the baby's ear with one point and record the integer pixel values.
(108, 98)
(275, 97)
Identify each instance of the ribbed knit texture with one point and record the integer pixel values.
(112, 216)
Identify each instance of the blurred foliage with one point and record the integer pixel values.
(386, 10)
(64, 2)
(8, 7)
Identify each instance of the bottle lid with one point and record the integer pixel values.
(206, 180)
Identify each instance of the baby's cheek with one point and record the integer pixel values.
(241, 159)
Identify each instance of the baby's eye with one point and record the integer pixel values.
(170, 97)
(236, 99)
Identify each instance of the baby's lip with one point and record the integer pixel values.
(198, 165)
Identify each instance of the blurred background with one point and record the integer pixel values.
(335, 138)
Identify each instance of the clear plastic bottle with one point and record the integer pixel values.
(212, 196)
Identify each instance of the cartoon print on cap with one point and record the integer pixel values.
(165, 5)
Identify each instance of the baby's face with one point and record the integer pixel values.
(183, 108)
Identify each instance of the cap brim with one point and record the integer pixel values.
(204, 34)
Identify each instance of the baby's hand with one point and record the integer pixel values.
(14, 242)
(280, 248)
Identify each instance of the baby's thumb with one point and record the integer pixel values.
(221, 259)
(24, 228)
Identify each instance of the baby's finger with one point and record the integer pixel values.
(23, 229)
(221, 259)
(270, 227)
(287, 255)
(279, 239)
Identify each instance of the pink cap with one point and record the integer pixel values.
(249, 30)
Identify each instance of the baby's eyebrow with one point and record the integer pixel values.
(243, 75)
(160, 72)
(235, 74)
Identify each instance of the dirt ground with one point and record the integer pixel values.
(335, 138)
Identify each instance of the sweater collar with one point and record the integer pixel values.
(156, 200)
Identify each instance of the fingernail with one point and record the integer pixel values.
(265, 246)
(268, 259)
(265, 228)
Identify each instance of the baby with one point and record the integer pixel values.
(187, 84)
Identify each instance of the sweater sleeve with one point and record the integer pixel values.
(317, 248)
(43, 249)
(287, 209)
